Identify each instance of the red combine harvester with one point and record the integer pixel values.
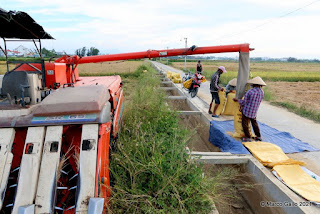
(57, 129)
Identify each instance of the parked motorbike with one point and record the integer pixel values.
(197, 79)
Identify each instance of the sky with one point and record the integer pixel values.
(274, 28)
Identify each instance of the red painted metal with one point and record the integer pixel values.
(118, 114)
(57, 74)
(156, 53)
(102, 172)
(18, 146)
(112, 82)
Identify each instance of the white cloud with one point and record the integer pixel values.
(140, 25)
(312, 5)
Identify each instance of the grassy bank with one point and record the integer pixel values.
(302, 111)
(151, 171)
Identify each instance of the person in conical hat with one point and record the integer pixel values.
(257, 81)
(250, 105)
(231, 86)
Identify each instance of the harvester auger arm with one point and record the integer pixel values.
(155, 54)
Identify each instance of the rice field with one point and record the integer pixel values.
(255, 66)
(105, 68)
(295, 86)
(3, 67)
(276, 76)
(269, 71)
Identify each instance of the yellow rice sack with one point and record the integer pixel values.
(177, 80)
(204, 79)
(230, 105)
(238, 130)
(175, 75)
(299, 181)
(222, 98)
(187, 84)
(270, 154)
(169, 73)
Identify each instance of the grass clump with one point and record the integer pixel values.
(268, 96)
(151, 172)
(311, 114)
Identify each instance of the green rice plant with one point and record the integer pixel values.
(289, 76)
(268, 71)
(273, 76)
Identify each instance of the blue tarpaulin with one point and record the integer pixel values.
(226, 143)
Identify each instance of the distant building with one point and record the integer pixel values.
(22, 51)
(12, 53)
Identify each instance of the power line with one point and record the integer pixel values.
(267, 22)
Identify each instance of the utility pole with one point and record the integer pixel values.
(167, 57)
(185, 57)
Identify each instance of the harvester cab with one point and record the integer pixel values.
(57, 129)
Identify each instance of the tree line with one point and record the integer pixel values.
(48, 53)
(80, 52)
(87, 52)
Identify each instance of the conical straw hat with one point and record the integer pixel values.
(233, 82)
(257, 81)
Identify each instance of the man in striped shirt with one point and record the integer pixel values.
(214, 88)
(250, 105)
